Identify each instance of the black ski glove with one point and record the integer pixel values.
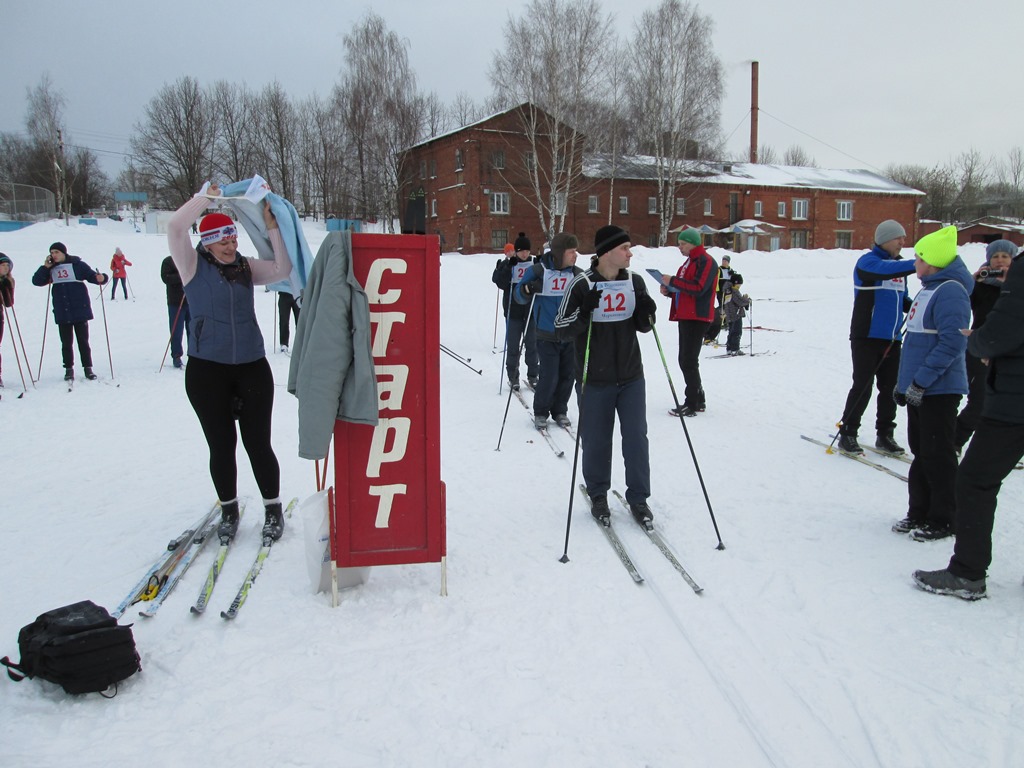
(591, 299)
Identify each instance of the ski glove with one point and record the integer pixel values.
(591, 299)
(912, 396)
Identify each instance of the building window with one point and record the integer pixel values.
(844, 240)
(680, 206)
(798, 238)
(800, 209)
(530, 160)
(707, 206)
(782, 210)
(652, 205)
(498, 159)
(461, 240)
(458, 160)
(498, 239)
(498, 203)
(757, 208)
(433, 168)
(592, 204)
(623, 205)
(844, 211)
(433, 208)
(559, 204)
(423, 169)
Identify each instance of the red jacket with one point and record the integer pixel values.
(118, 264)
(697, 282)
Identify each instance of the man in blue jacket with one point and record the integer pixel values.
(72, 309)
(932, 379)
(879, 301)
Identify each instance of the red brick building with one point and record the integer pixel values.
(467, 186)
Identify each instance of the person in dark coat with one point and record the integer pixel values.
(72, 309)
(880, 300)
(508, 273)
(178, 316)
(287, 308)
(603, 310)
(995, 449)
(6, 298)
(988, 283)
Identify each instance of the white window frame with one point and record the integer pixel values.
(652, 205)
(848, 235)
(498, 159)
(459, 162)
(623, 204)
(801, 209)
(782, 209)
(844, 210)
(560, 204)
(498, 203)
(593, 204)
(758, 208)
(707, 206)
(680, 206)
(433, 208)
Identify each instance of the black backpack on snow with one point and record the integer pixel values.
(80, 647)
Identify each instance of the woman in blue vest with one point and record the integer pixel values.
(227, 376)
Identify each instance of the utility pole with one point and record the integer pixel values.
(63, 177)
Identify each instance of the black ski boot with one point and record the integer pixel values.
(273, 526)
(69, 374)
(886, 444)
(849, 444)
(90, 375)
(642, 513)
(599, 509)
(228, 521)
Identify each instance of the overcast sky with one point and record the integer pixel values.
(856, 84)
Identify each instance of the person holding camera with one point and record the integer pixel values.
(931, 380)
(72, 309)
(988, 282)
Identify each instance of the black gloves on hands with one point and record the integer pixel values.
(591, 299)
(912, 396)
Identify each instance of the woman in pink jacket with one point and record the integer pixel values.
(118, 272)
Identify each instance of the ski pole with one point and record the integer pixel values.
(17, 358)
(21, 339)
(529, 319)
(455, 354)
(460, 360)
(751, 327)
(689, 443)
(867, 388)
(106, 332)
(129, 284)
(576, 451)
(494, 340)
(171, 335)
(42, 347)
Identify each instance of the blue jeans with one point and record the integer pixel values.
(177, 329)
(598, 406)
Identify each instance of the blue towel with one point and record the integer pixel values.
(250, 216)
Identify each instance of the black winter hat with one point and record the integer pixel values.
(609, 237)
(736, 278)
(5, 259)
(522, 243)
(60, 247)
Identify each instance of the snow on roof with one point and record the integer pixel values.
(750, 174)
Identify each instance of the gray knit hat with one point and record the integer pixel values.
(889, 230)
(999, 246)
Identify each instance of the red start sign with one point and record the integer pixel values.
(389, 499)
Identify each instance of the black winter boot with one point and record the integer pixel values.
(273, 526)
(69, 374)
(599, 509)
(849, 444)
(886, 444)
(90, 375)
(228, 521)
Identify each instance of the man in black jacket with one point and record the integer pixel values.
(603, 310)
(178, 316)
(995, 449)
(508, 272)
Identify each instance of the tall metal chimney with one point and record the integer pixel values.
(753, 111)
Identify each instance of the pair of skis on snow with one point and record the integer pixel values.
(863, 459)
(655, 537)
(168, 569)
(544, 432)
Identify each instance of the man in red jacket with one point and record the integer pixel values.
(693, 307)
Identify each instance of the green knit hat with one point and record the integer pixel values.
(689, 235)
(938, 248)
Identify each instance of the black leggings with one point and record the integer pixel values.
(221, 393)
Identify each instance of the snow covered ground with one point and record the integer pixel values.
(809, 647)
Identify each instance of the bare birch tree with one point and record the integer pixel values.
(235, 151)
(277, 133)
(675, 92)
(550, 66)
(173, 145)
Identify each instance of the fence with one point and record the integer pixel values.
(24, 202)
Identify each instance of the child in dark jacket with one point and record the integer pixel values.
(736, 304)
